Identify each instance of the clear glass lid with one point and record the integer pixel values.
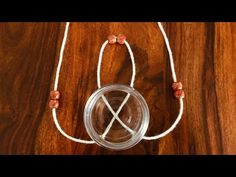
(116, 117)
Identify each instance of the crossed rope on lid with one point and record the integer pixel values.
(115, 116)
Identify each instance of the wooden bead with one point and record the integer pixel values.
(179, 94)
(54, 95)
(54, 104)
(111, 39)
(177, 86)
(121, 39)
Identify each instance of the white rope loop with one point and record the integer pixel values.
(115, 114)
(181, 105)
(100, 63)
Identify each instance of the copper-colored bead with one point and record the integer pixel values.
(177, 86)
(121, 39)
(54, 104)
(179, 94)
(54, 95)
(111, 39)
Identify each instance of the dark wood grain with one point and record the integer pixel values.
(205, 62)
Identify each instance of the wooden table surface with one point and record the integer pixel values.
(205, 62)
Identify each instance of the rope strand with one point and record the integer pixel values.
(54, 113)
(181, 104)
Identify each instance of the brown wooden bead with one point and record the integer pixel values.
(54, 104)
(121, 39)
(54, 95)
(179, 94)
(111, 39)
(177, 86)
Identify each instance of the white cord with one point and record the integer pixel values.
(54, 113)
(131, 85)
(181, 104)
(181, 107)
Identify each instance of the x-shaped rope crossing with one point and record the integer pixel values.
(115, 116)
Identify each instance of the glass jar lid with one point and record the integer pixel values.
(116, 116)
